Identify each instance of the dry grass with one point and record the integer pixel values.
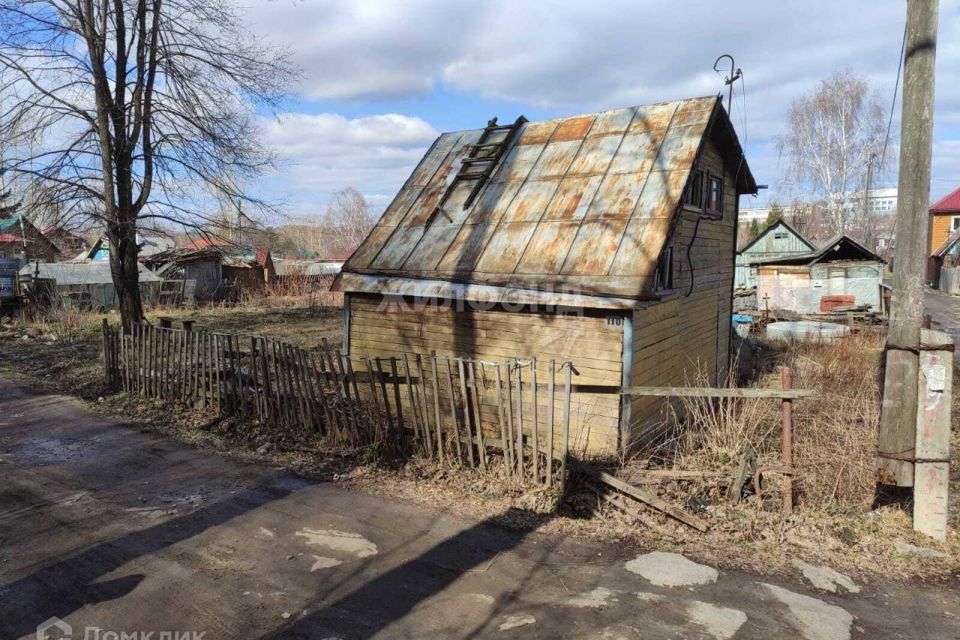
(834, 434)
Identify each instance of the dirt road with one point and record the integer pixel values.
(113, 531)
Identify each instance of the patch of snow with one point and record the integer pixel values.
(826, 578)
(813, 618)
(321, 562)
(671, 570)
(345, 541)
(512, 622)
(720, 622)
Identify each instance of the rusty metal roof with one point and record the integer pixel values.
(581, 204)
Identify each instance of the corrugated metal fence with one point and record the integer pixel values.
(429, 403)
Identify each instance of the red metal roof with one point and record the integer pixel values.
(9, 237)
(948, 203)
(203, 243)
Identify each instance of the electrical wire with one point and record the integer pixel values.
(893, 104)
(743, 102)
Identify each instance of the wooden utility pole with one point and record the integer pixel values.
(898, 420)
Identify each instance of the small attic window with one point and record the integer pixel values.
(780, 235)
(715, 195)
(695, 190)
(665, 270)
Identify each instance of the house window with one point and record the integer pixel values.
(695, 192)
(665, 270)
(715, 195)
(954, 224)
(780, 235)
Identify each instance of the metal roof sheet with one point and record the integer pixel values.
(81, 273)
(585, 201)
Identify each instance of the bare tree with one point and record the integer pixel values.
(348, 219)
(126, 110)
(833, 134)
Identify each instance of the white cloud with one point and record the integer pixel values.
(568, 57)
(323, 153)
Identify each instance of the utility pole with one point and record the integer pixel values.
(867, 231)
(898, 419)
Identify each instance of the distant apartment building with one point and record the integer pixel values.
(879, 201)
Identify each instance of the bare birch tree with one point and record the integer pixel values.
(348, 219)
(832, 135)
(124, 110)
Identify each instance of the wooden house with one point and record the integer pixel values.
(842, 272)
(944, 220)
(606, 240)
(20, 239)
(778, 239)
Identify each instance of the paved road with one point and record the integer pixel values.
(115, 530)
(944, 311)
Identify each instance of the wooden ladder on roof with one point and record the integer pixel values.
(482, 159)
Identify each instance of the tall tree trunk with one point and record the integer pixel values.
(124, 269)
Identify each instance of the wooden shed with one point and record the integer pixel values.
(842, 272)
(606, 240)
(778, 239)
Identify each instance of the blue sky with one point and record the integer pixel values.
(381, 79)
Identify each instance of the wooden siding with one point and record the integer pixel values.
(939, 229)
(594, 345)
(686, 339)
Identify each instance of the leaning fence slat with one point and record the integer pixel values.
(255, 386)
(453, 413)
(350, 380)
(504, 437)
(466, 411)
(331, 423)
(436, 406)
(401, 427)
(300, 381)
(520, 470)
(424, 407)
(412, 397)
(534, 429)
(565, 450)
(551, 392)
(508, 407)
(383, 389)
(477, 426)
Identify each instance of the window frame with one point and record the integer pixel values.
(954, 224)
(664, 276)
(701, 175)
(718, 210)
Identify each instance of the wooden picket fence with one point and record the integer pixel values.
(441, 406)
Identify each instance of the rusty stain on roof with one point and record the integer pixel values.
(586, 201)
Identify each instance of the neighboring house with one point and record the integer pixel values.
(211, 273)
(944, 219)
(606, 240)
(942, 272)
(777, 239)
(68, 243)
(842, 272)
(20, 239)
(264, 259)
(87, 283)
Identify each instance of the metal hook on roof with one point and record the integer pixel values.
(735, 74)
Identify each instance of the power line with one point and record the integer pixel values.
(743, 100)
(893, 104)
